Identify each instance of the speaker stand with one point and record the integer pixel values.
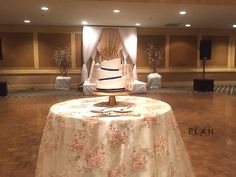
(203, 68)
(203, 85)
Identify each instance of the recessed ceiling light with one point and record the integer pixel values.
(234, 26)
(84, 22)
(27, 21)
(44, 8)
(182, 12)
(116, 11)
(137, 24)
(187, 25)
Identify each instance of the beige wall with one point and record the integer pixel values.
(28, 53)
(158, 41)
(183, 51)
(48, 43)
(17, 49)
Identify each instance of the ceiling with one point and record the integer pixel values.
(100, 12)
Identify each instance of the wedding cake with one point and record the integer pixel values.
(110, 76)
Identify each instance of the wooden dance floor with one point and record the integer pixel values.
(207, 123)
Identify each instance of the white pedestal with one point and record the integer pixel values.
(154, 80)
(62, 83)
(88, 87)
(139, 87)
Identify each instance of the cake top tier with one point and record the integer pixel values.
(111, 64)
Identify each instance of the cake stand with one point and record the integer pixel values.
(112, 97)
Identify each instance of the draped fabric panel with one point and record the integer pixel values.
(91, 36)
(110, 44)
(129, 41)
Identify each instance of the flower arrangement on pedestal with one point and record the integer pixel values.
(62, 58)
(154, 56)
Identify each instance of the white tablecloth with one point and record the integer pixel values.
(62, 83)
(146, 142)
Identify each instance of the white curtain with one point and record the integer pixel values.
(91, 37)
(129, 40)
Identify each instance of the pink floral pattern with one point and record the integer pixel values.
(150, 120)
(180, 150)
(94, 157)
(172, 169)
(48, 144)
(139, 160)
(117, 171)
(116, 137)
(126, 124)
(161, 146)
(49, 119)
(90, 123)
(60, 119)
(173, 122)
(76, 145)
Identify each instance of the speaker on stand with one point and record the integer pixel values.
(204, 85)
(3, 84)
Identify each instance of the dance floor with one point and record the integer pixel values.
(207, 123)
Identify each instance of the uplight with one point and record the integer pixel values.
(182, 12)
(234, 26)
(44, 8)
(187, 25)
(116, 11)
(84, 22)
(137, 24)
(27, 21)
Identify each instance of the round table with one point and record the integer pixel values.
(81, 139)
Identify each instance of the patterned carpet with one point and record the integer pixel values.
(223, 89)
(43, 93)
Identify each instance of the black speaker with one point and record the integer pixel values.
(205, 49)
(203, 85)
(1, 49)
(3, 88)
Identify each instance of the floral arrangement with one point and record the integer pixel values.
(62, 58)
(154, 56)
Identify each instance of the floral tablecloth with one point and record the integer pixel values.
(81, 139)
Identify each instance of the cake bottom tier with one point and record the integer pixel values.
(111, 84)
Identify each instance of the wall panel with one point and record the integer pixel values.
(219, 50)
(17, 49)
(143, 40)
(48, 43)
(183, 51)
(78, 44)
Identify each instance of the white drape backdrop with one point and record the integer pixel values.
(91, 36)
(129, 40)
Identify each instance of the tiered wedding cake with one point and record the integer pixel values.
(110, 76)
